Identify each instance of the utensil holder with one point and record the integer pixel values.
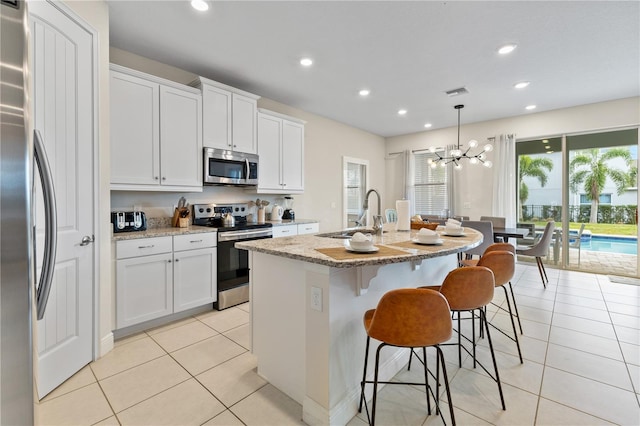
(183, 222)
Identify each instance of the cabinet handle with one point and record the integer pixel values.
(285, 231)
(169, 261)
(177, 260)
(164, 178)
(149, 246)
(155, 178)
(195, 241)
(234, 146)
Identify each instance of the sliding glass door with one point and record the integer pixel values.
(587, 184)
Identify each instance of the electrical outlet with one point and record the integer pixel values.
(466, 205)
(316, 299)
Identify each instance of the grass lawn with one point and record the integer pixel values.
(601, 228)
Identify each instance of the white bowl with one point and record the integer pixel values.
(361, 245)
(427, 238)
(454, 230)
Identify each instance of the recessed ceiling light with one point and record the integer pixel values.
(200, 5)
(530, 107)
(547, 147)
(306, 62)
(545, 140)
(550, 152)
(521, 85)
(364, 92)
(402, 111)
(507, 48)
(428, 125)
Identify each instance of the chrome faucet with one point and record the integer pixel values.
(378, 219)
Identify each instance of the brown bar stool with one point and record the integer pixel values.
(409, 318)
(471, 289)
(503, 265)
(493, 247)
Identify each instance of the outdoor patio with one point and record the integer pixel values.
(596, 261)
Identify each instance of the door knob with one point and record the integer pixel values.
(86, 240)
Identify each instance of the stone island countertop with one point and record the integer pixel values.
(305, 248)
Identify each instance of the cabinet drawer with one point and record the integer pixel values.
(308, 228)
(194, 241)
(143, 247)
(285, 231)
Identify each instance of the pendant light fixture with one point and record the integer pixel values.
(458, 154)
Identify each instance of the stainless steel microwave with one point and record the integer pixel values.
(222, 167)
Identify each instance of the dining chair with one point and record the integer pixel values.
(539, 250)
(471, 290)
(498, 222)
(574, 241)
(409, 318)
(531, 237)
(485, 227)
(391, 215)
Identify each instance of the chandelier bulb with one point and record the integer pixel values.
(458, 166)
(434, 165)
(488, 164)
(432, 149)
(473, 160)
(488, 147)
(473, 143)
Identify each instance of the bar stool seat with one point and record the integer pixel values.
(409, 318)
(470, 289)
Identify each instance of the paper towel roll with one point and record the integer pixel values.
(404, 215)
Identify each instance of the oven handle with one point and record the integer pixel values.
(243, 235)
(246, 170)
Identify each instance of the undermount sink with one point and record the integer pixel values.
(347, 233)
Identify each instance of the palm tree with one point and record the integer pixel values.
(590, 167)
(532, 167)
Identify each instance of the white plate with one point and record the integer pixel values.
(437, 242)
(368, 250)
(455, 235)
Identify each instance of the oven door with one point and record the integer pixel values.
(233, 268)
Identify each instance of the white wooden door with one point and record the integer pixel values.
(244, 124)
(216, 110)
(180, 137)
(63, 106)
(134, 130)
(292, 156)
(269, 136)
(194, 278)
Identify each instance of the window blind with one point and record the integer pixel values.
(355, 187)
(430, 187)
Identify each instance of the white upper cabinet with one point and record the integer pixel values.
(156, 133)
(281, 152)
(229, 116)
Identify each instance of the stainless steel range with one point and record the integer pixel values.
(233, 264)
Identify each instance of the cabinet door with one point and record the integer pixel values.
(194, 278)
(285, 231)
(135, 143)
(308, 228)
(269, 136)
(244, 124)
(292, 156)
(180, 137)
(216, 112)
(144, 289)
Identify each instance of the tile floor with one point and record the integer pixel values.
(581, 346)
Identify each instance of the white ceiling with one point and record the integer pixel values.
(408, 53)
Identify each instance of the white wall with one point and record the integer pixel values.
(474, 184)
(326, 141)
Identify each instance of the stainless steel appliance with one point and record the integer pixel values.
(19, 146)
(223, 167)
(233, 264)
(128, 221)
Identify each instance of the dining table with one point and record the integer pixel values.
(506, 233)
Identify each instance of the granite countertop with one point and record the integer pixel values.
(291, 222)
(304, 248)
(161, 232)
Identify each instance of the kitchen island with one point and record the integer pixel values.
(308, 297)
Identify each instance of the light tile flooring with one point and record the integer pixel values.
(581, 346)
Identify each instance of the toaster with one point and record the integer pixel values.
(128, 221)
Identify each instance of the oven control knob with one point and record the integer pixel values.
(201, 210)
(242, 209)
(208, 209)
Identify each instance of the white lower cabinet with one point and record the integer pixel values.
(159, 276)
(308, 228)
(285, 231)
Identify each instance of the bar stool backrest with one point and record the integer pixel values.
(502, 263)
(501, 247)
(411, 317)
(468, 288)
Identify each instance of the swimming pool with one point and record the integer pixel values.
(611, 244)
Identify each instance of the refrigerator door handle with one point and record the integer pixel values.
(51, 225)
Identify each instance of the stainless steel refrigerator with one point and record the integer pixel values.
(23, 290)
